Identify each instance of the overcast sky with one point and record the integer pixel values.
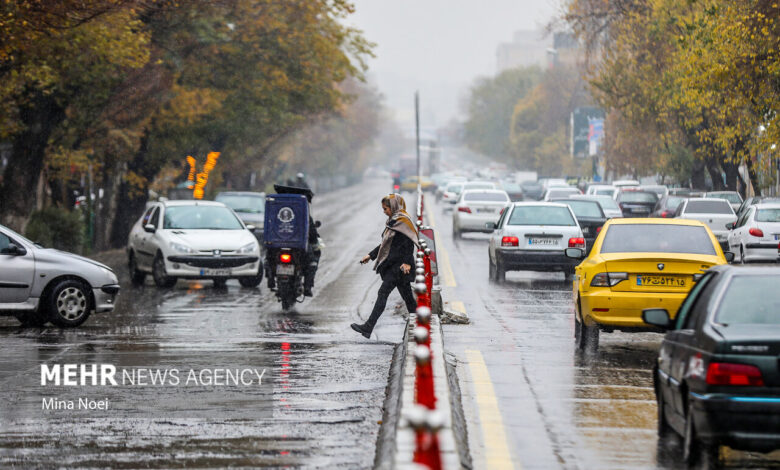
(439, 47)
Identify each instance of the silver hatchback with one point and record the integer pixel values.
(40, 285)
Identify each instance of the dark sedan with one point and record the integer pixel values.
(716, 379)
(590, 217)
(636, 203)
(667, 205)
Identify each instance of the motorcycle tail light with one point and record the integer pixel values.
(285, 258)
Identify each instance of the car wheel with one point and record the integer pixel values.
(586, 337)
(491, 269)
(250, 281)
(136, 277)
(455, 231)
(741, 255)
(500, 270)
(663, 424)
(68, 303)
(161, 278)
(220, 283)
(32, 319)
(694, 451)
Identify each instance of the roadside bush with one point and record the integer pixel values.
(58, 228)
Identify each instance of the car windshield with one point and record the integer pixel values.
(585, 208)
(733, 198)
(541, 215)
(562, 192)
(479, 186)
(605, 191)
(657, 238)
(511, 187)
(608, 203)
(708, 207)
(243, 203)
(637, 196)
(751, 300)
(673, 202)
(768, 215)
(454, 188)
(488, 197)
(200, 217)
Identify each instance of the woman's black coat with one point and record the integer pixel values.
(401, 252)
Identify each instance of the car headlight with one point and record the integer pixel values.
(181, 248)
(248, 248)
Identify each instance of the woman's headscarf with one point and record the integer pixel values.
(399, 221)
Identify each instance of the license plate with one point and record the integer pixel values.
(640, 209)
(285, 269)
(485, 211)
(542, 241)
(668, 281)
(215, 272)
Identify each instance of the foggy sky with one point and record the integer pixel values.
(439, 47)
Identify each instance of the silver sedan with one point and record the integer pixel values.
(40, 285)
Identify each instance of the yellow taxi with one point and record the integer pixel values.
(410, 184)
(638, 263)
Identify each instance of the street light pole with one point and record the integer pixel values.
(417, 130)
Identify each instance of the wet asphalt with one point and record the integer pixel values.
(558, 408)
(319, 404)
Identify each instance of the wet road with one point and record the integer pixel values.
(530, 401)
(319, 404)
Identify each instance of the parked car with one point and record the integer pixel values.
(40, 285)
(475, 207)
(193, 240)
(559, 192)
(717, 380)
(590, 218)
(732, 197)
(716, 213)
(636, 203)
(250, 207)
(667, 206)
(533, 236)
(754, 237)
(637, 264)
(608, 205)
(659, 189)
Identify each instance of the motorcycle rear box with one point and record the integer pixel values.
(286, 221)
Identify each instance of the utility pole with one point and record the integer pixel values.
(417, 130)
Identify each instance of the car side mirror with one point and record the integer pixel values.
(251, 228)
(317, 224)
(657, 317)
(574, 253)
(729, 256)
(731, 225)
(150, 228)
(490, 225)
(13, 250)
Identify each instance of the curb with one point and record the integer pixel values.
(405, 436)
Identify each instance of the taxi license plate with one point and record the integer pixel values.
(215, 272)
(542, 241)
(285, 269)
(670, 281)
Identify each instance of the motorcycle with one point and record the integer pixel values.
(286, 227)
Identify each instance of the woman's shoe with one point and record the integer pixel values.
(361, 329)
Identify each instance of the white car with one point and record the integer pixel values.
(601, 190)
(451, 192)
(40, 285)
(756, 234)
(732, 196)
(193, 240)
(715, 213)
(534, 236)
(475, 208)
(626, 183)
(559, 192)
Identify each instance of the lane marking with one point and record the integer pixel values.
(458, 306)
(493, 436)
(445, 268)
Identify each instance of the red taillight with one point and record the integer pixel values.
(285, 258)
(464, 209)
(756, 232)
(598, 229)
(577, 242)
(445, 195)
(721, 373)
(666, 214)
(510, 241)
